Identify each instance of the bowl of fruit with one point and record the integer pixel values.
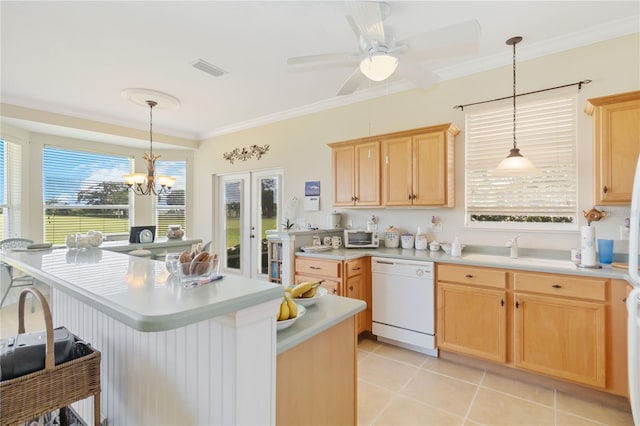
(288, 313)
(306, 293)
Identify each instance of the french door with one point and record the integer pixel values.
(249, 204)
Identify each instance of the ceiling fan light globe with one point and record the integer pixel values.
(378, 67)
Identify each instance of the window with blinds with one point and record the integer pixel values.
(546, 135)
(82, 192)
(171, 208)
(10, 189)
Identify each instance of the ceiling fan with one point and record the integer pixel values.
(381, 55)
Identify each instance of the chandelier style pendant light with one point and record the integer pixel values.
(145, 183)
(514, 164)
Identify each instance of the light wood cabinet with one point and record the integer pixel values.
(349, 278)
(356, 174)
(471, 311)
(418, 167)
(616, 133)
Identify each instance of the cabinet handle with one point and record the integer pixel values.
(517, 304)
(355, 198)
(624, 300)
(414, 196)
(356, 269)
(556, 286)
(350, 288)
(335, 290)
(468, 276)
(605, 189)
(314, 267)
(409, 196)
(501, 302)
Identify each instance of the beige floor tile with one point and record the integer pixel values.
(517, 388)
(440, 391)
(566, 419)
(494, 408)
(362, 354)
(403, 411)
(385, 372)
(459, 371)
(468, 422)
(593, 410)
(371, 400)
(367, 344)
(401, 354)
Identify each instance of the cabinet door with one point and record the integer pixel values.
(367, 174)
(397, 186)
(354, 289)
(617, 145)
(343, 159)
(430, 169)
(560, 337)
(472, 321)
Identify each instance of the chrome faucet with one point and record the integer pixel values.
(513, 244)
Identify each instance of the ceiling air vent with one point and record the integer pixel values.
(208, 68)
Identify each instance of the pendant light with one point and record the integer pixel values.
(145, 183)
(515, 164)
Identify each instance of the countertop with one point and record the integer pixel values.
(328, 311)
(136, 291)
(158, 243)
(482, 258)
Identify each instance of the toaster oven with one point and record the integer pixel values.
(360, 238)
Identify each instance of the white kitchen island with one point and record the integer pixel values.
(171, 355)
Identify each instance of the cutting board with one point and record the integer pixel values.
(620, 265)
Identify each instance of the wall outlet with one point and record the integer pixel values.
(436, 227)
(624, 232)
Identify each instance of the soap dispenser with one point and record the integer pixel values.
(421, 239)
(456, 249)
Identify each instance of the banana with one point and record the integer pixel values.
(303, 288)
(309, 293)
(293, 308)
(284, 310)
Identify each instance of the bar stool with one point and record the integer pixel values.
(15, 279)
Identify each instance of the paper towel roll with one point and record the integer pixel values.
(588, 245)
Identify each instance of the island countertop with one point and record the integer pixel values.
(136, 291)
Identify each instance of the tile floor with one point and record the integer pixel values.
(401, 387)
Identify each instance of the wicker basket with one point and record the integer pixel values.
(56, 386)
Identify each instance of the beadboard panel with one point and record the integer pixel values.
(205, 373)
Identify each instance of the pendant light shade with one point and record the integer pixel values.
(378, 66)
(515, 164)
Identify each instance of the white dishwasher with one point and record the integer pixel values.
(403, 303)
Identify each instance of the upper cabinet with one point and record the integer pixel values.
(418, 167)
(616, 132)
(356, 174)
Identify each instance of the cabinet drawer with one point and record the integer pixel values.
(330, 285)
(561, 285)
(318, 267)
(472, 275)
(354, 267)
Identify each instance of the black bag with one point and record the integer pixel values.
(26, 352)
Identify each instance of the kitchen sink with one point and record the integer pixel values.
(521, 261)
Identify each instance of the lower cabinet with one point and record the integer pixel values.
(349, 278)
(563, 326)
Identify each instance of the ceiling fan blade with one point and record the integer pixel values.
(366, 19)
(414, 73)
(324, 57)
(455, 39)
(351, 84)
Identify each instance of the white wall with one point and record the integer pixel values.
(299, 145)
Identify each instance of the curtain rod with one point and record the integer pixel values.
(579, 84)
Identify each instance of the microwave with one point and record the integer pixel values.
(359, 238)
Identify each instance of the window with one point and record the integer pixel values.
(10, 189)
(171, 208)
(546, 134)
(82, 192)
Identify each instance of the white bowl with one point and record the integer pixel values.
(446, 247)
(288, 323)
(308, 301)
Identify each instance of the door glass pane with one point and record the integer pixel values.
(268, 216)
(233, 210)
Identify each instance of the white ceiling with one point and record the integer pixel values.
(74, 58)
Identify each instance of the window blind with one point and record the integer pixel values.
(546, 135)
(84, 191)
(10, 189)
(171, 208)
